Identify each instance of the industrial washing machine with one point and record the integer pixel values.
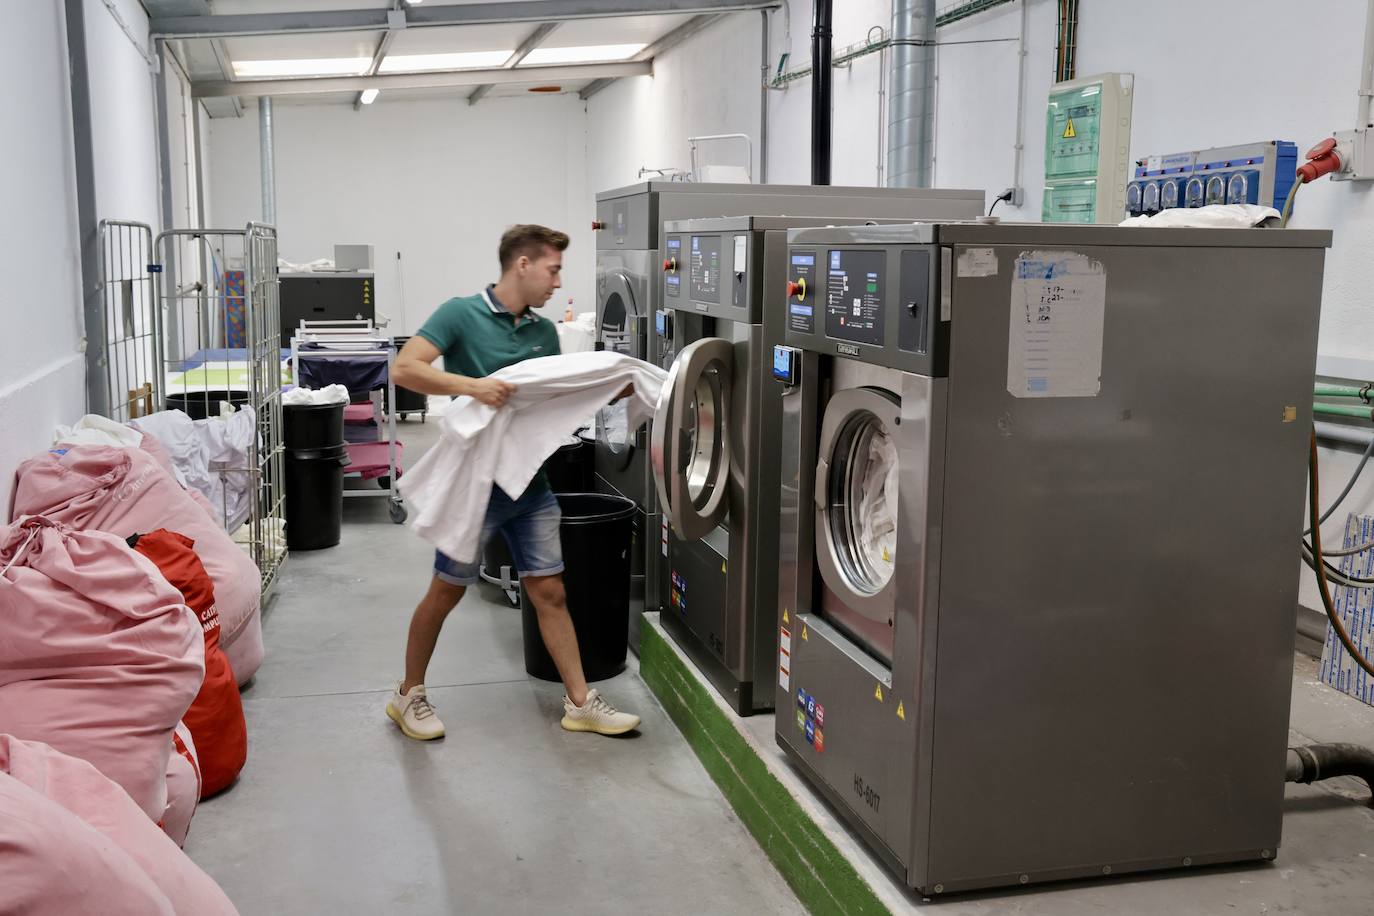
(1041, 487)
(716, 444)
(629, 260)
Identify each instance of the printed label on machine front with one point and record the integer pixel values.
(1058, 305)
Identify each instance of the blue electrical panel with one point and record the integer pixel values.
(1253, 173)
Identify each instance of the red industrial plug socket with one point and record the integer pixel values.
(1322, 159)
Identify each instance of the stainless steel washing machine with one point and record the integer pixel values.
(1040, 492)
(716, 445)
(630, 259)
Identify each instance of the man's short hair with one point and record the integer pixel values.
(530, 240)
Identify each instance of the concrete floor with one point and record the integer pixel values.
(337, 812)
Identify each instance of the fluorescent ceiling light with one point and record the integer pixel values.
(368, 96)
(459, 60)
(582, 55)
(318, 66)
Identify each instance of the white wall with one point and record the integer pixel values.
(123, 118)
(707, 85)
(436, 180)
(42, 370)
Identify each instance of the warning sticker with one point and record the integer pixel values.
(1069, 132)
(901, 711)
(784, 677)
(878, 693)
(785, 639)
(784, 658)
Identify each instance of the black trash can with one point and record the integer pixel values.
(314, 497)
(570, 468)
(407, 401)
(200, 405)
(596, 534)
(309, 427)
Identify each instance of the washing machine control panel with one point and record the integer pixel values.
(878, 303)
(712, 271)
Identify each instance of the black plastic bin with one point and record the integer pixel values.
(407, 401)
(314, 497)
(310, 427)
(201, 405)
(570, 468)
(596, 533)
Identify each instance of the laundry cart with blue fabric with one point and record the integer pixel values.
(358, 356)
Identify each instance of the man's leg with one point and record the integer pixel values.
(409, 706)
(551, 606)
(425, 625)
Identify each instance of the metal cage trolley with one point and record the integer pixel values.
(217, 342)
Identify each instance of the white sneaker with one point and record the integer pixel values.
(596, 715)
(412, 711)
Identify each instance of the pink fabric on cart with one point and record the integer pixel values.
(370, 460)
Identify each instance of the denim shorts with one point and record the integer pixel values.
(530, 526)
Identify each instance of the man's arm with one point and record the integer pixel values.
(414, 370)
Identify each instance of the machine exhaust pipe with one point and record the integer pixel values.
(1323, 761)
(822, 92)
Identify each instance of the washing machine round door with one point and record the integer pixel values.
(615, 330)
(689, 445)
(856, 500)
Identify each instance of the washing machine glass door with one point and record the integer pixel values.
(856, 512)
(690, 439)
(617, 310)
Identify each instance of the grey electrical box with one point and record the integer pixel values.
(353, 257)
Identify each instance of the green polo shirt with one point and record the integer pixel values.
(478, 336)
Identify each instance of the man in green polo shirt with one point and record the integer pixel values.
(477, 336)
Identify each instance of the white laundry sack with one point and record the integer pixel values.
(1216, 216)
(305, 397)
(93, 429)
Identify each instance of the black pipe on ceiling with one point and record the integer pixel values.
(822, 74)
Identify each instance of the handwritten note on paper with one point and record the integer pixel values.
(1054, 349)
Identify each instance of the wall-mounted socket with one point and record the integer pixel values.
(1357, 155)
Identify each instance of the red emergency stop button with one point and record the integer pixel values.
(597, 225)
(670, 264)
(797, 288)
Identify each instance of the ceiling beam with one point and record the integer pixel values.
(499, 76)
(383, 46)
(532, 41)
(670, 40)
(500, 11)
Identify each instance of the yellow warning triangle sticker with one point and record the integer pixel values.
(722, 567)
(803, 632)
(1069, 132)
(784, 616)
(878, 693)
(901, 711)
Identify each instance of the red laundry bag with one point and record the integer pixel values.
(215, 718)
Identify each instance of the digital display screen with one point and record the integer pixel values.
(855, 294)
(705, 270)
(803, 260)
(782, 364)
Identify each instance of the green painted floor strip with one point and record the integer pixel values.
(817, 872)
